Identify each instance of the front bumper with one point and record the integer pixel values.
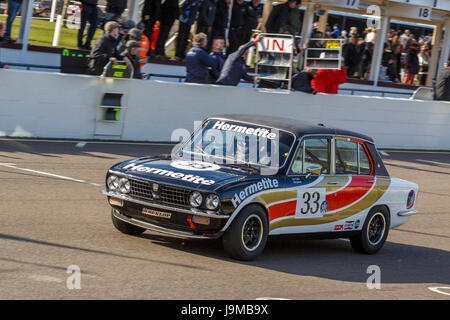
(153, 227)
(181, 221)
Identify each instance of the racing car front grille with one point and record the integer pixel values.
(141, 189)
(167, 194)
(175, 195)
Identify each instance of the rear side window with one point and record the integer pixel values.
(365, 166)
(351, 157)
(346, 157)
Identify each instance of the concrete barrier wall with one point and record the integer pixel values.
(49, 105)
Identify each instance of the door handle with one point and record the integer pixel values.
(332, 182)
(370, 181)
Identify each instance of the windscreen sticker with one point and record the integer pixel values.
(260, 132)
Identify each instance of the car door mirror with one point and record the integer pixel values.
(313, 170)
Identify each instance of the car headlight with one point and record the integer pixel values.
(124, 185)
(113, 182)
(196, 199)
(212, 201)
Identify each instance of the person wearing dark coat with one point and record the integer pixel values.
(218, 44)
(412, 64)
(302, 82)
(169, 13)
(88, 14)
(237, 23)
(221, 18)
(352, 56)
(116, 7)
(131, 56)
(105, 49)
(198, 60)
(234, 68)
(188, 15)
(442, 88)
(278, 16)
(206, 17)
(151, 14)
(252, 17)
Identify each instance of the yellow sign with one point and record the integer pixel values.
(333, 44)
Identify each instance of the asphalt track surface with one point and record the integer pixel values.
(54, 216)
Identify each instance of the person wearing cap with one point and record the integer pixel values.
(198, 60)
(235, 68)
(88, 14)
(132, 34)
(442, 88)
(105, 48)
(131, 56)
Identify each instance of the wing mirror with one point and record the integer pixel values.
(313, 170)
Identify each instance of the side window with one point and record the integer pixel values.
(346, 157)
(317, 153)
(365, 166)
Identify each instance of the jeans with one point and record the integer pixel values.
(13, 8)
(88, 13)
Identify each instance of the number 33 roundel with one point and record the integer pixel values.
(311, 203)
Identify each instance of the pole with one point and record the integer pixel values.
(434, 60)
(25, 23)
(57, 30)
(52, 12)
(379, 48)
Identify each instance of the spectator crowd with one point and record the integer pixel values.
(210, 58)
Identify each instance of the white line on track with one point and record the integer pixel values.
(439, 290)
(13, 166)
(93, 142)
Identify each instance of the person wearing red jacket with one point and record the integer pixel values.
(328, 81)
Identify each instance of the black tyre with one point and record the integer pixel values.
(374, 232)
(125, 227)
(246, 237)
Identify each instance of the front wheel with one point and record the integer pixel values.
(374, 232)
(246, 238)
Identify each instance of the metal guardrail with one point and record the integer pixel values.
(181, 78)
(29, 66)
(383, 93)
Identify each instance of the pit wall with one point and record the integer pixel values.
(53, 105)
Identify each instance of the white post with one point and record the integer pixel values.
(434, 60)
(25, 23)
(307, 22)
(445, 46)
(230, 11)
(133, 10)
(57, 30)
(379, 49)
(52, 12)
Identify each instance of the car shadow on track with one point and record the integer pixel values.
(332, 259)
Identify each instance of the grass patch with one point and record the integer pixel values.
(41, 33)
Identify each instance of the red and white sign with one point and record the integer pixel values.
(273, 44)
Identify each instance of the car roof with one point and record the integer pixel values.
(298, 127)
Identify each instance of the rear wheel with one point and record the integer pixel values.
(374, 232)
(125, 227)
(246, 237)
